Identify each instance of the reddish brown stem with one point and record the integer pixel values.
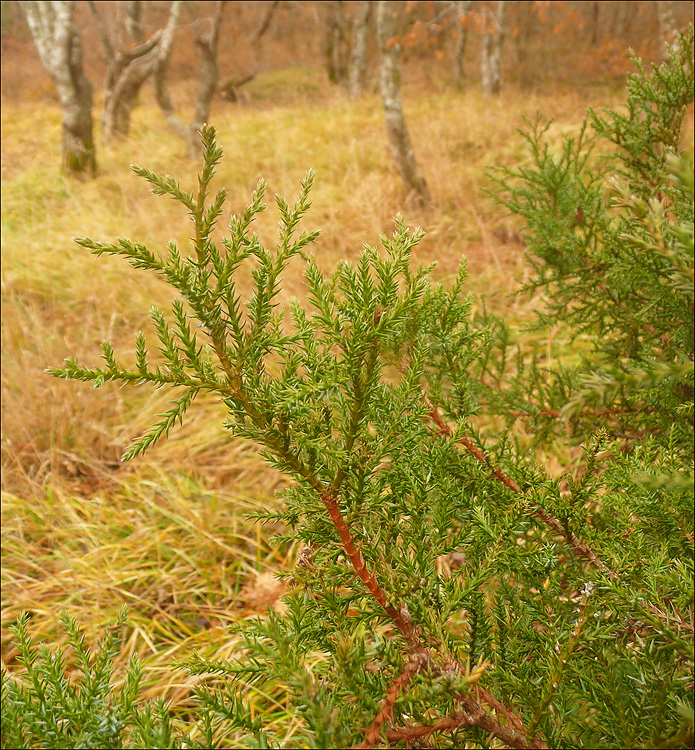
(513, 735)
(478, 718)
(580, 549)
(594, 412)
(372, 735)
(408, 734)
(474, 713)
(400, 618)
(471, 716)
(512, 719)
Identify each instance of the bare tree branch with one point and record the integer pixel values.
(207, 44)
(579, 548)
(264, 25)
(103, 34)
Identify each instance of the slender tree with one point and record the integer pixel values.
(390, 78)
(60, 49)
(623, 17)
(493, 42)
(134, 21)
(360, 47)
(128, 69)
(207, 46)
(595, 23)
(463, 8)
(335, 40)
(229, 89)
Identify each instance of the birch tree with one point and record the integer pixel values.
(133, 20)
(388, 13)
(360, 47)
(207, 42)
(622, 18)
(60, 49)
(334, 40)
(463, 8)
(128, 69)
(493, 41)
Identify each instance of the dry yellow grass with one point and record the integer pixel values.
(167, 534)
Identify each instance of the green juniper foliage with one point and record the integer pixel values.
(449, 590)
(610, 241)
(70, 703)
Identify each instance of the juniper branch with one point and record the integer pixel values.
(578, 547)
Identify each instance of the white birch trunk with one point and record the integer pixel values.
(133, 21)
(209, 73)
(401, 147)
(59, 47)
(127, 72)
(493, 42)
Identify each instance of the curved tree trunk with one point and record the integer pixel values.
(401, 147)
(58, 43)
(159, 77)
(229, 89)
(209, 74)
(360, 47)
(126, 76)
(207, 45)
(493, 41)
(127, 70)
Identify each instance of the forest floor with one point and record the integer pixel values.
(168, 534)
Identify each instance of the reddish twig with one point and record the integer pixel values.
(554, 413)
(400, 617)
(472, 716)
(408, 734)
(372, 735)
(475, 715)
(513, 720)
(580, 549)
(509, 735)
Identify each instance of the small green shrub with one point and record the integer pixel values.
(610, 242)
(449, 590)
(70, 703)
